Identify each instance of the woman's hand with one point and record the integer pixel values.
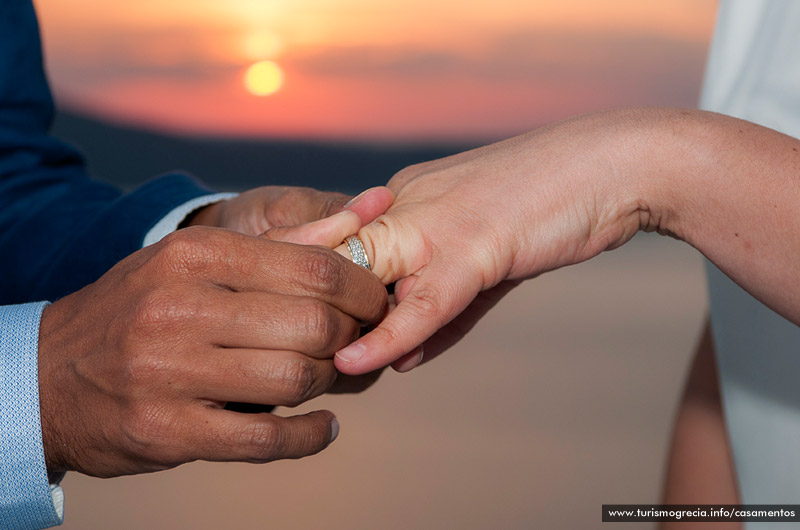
(461, 225)
(136, 368)
(563, 194)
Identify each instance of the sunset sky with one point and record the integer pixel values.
(367, 70)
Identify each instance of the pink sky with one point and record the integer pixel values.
(365, 70)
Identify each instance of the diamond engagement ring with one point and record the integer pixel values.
(356, 248)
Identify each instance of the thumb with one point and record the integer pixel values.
(327, 232)
(368, 204)
(437, 297)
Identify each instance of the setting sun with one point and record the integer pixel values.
(263, 78)
(365, 70)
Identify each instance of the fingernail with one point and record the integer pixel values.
(334, 429)
(338, 216)
(325, 221)
(355, 199)
(421, 355)
(413, 361)
(352, 353)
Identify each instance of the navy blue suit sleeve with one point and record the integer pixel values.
(59, 229)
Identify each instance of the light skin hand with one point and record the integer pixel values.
(563, 194)
(135, 369)
(452, 332)
(459, 227)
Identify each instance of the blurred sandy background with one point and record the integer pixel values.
(559, 401)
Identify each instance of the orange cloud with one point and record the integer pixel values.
(365, 70)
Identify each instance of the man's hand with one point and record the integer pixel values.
(135, 369)
(296, 215)
(260, 209)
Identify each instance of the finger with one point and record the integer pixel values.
(245, 263)
(328, 232)
(394, 250)
(349, 217)
(436, 298)
(230, 436)
(454, 331)
(294, 205)
(403, 286)
(369, 204)
(275, 322)
(409, 361)
(260, 376)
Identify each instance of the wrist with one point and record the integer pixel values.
(651, 184)
(53, 440)
(610, 181)
(210, 215)
(672, 171)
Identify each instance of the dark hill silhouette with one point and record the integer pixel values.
(127, 156)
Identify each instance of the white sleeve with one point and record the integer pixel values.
(170, 222)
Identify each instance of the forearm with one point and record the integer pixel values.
(700, 464)
(729, 188)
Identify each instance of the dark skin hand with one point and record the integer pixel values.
(260, 209)
(277, 212)
(135, 369)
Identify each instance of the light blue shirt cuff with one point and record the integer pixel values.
(170, 222)
(27, 500)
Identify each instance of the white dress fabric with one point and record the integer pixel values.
(754, 74)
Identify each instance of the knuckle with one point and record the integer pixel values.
(323, 379)
(291, 202)
(187, 250)
(407, 173)
(275, 233)
(162, 307)
(332, 201)
(318, 322)
(320, 271)
(294, 195)
(374, 302)
(152, 309)
(144, 367)
(145, 428)
(425, 302)
(298, 380)
(179, 243)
